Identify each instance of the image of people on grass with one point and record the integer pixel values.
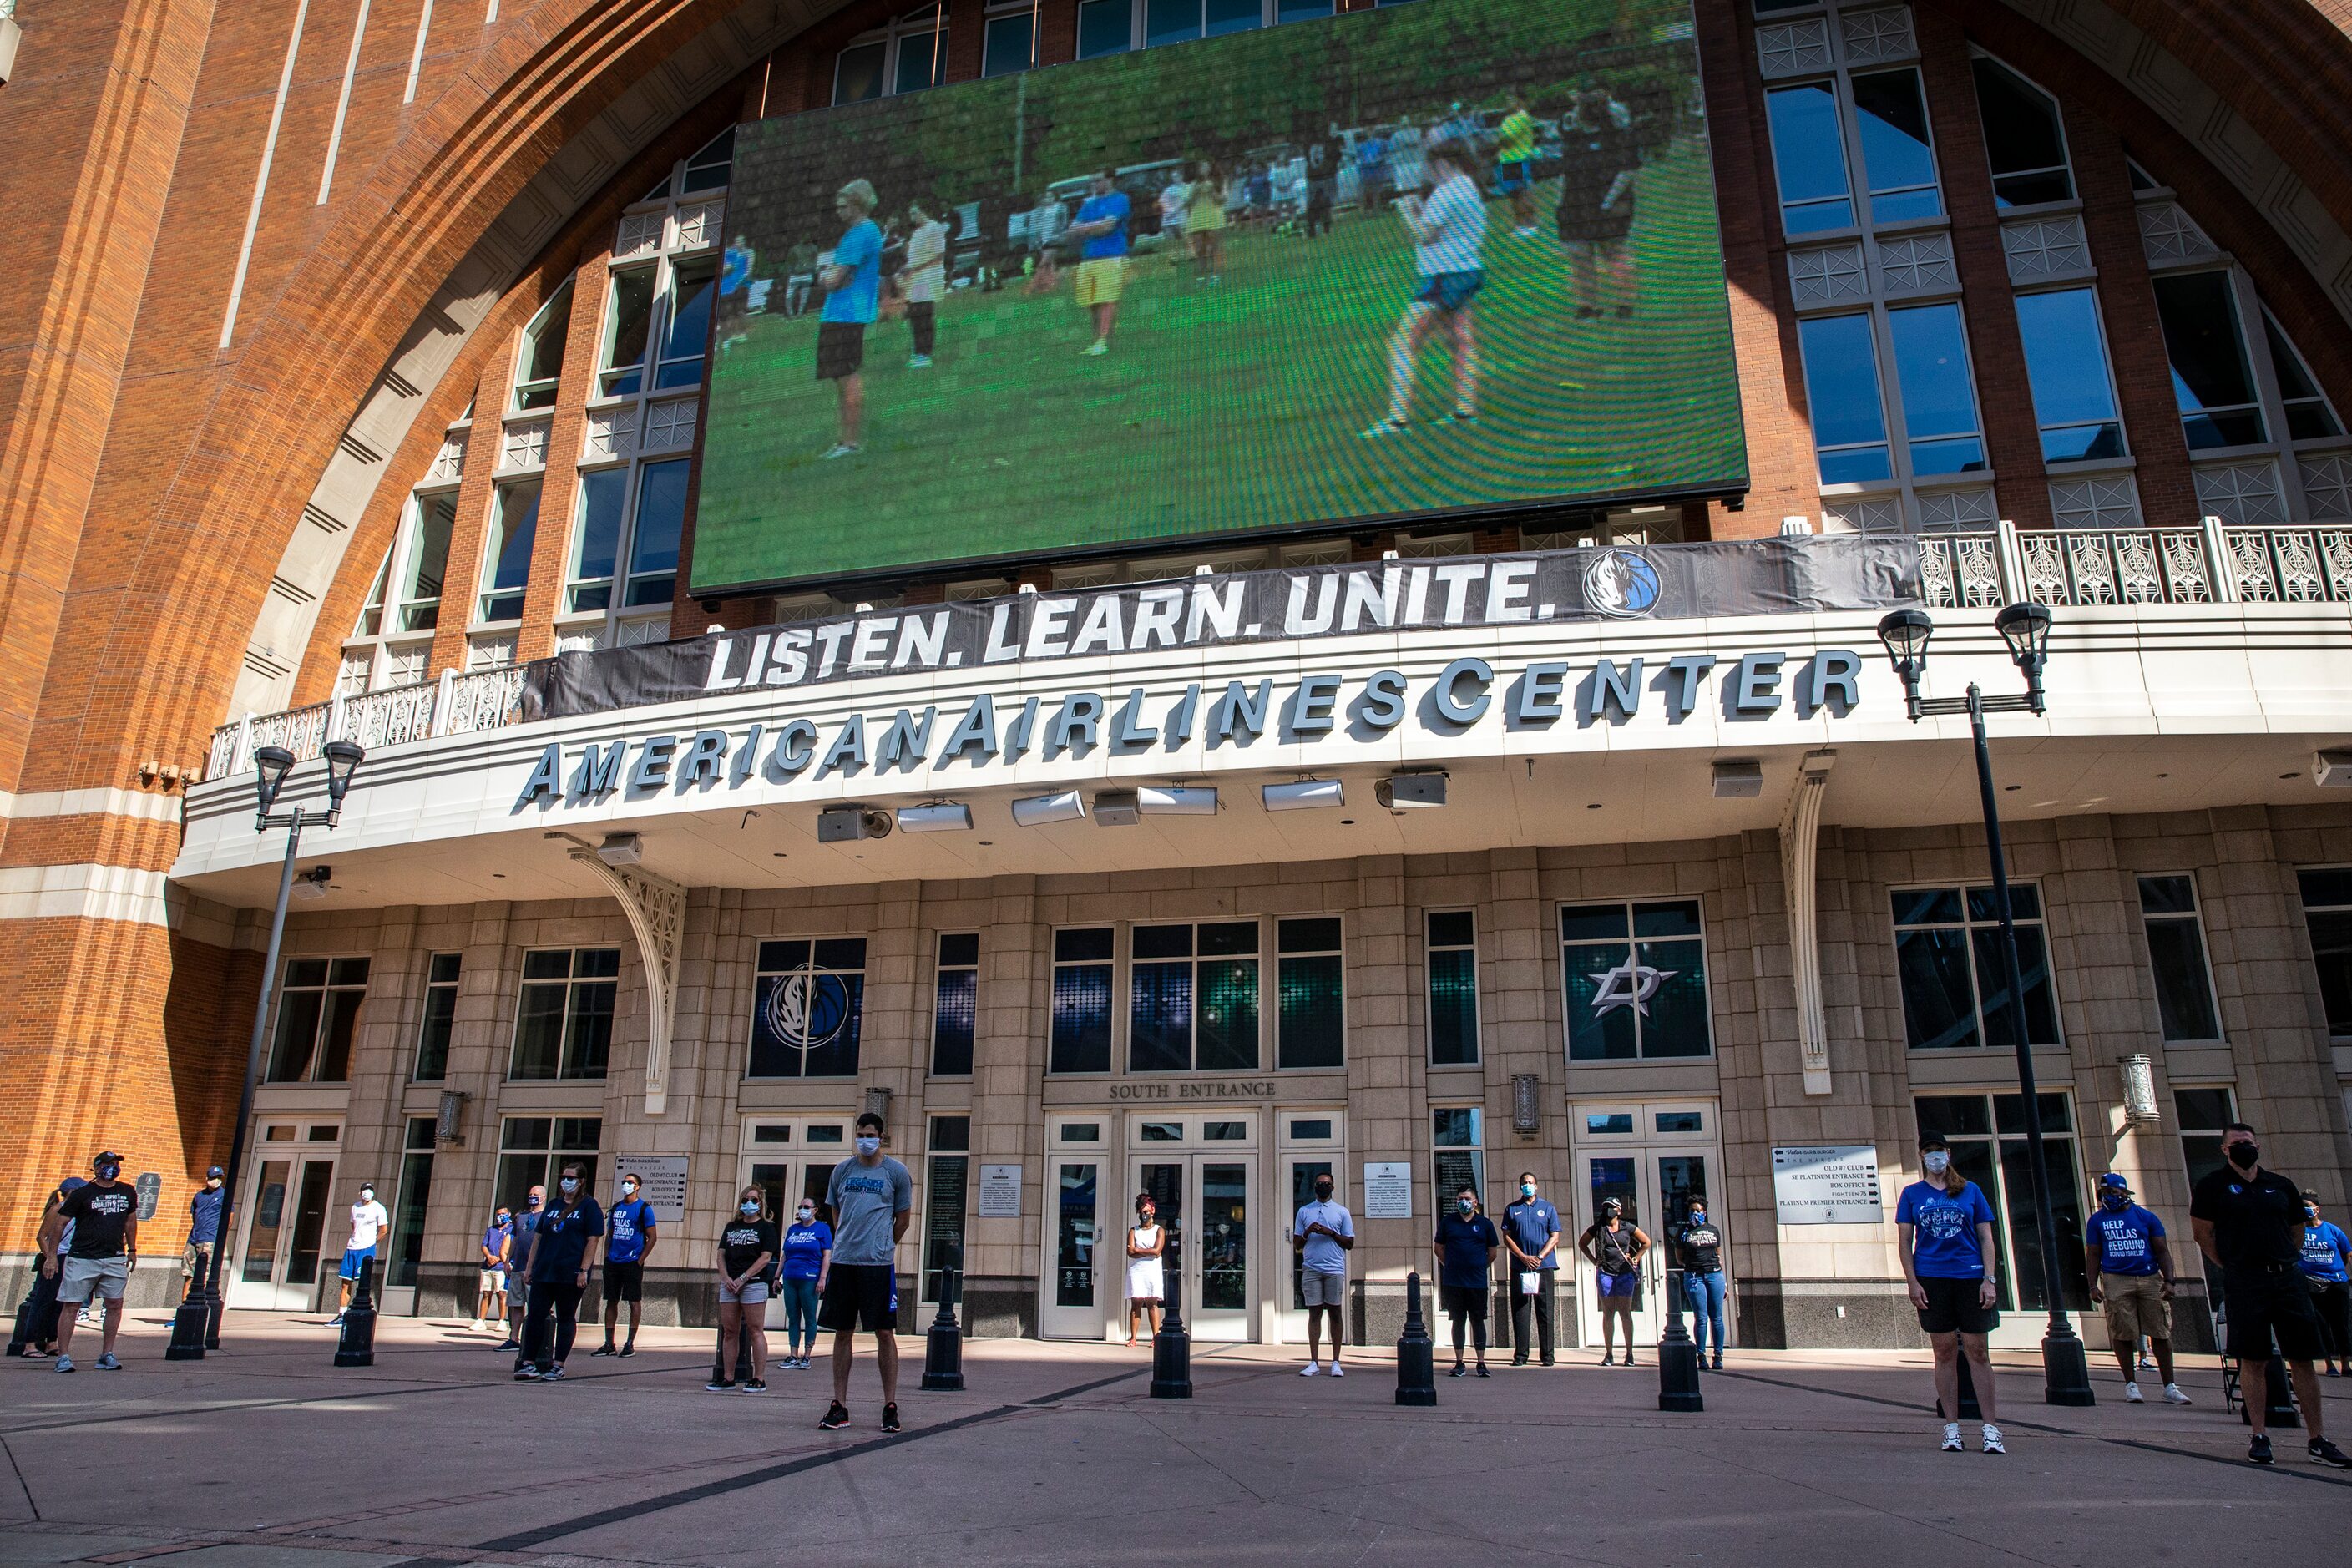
(1455, 254)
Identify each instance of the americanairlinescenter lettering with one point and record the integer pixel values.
(988, 732)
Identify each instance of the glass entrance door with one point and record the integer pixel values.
(1650, 1157)
(1625, 1176)
(785, 1179)
(1086, 1274)
(285, 1226)
(1204, 1205)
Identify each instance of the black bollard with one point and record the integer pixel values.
(1969, 1408)
(188, 1323)
(1416, 1366)
(2277, 1397)
(29, 1313)
(1171, 1352)
(742, 1350)
(357, 1347)
(943, 1346)
(1677, 1362)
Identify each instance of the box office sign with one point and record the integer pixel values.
(1790, 576)
(662, 1179)
(1827, 1183)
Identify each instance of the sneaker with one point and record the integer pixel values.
(1095, 350)
(1336, 1372)
(335, 1321)
(1718, 1363)
(1462, 416)
(629, 1349)
(1993, 1444)
(1385, 428)
(1312, 1369)
(1546, 1361)
(2259, 1451)
(756, 1386)
(475, 1327)
(507, 1345)
(839, 450)
(1952, 1444)
(1629, 1358)
(552, 1374)
(1524, 231)
(890, 1419)
(1482, 1369)
(919, 361)
(719, 1385)
(65, 1363)
(2131, 1394)
(1459, 1371)
(106, 1362)
(2172, 1394)
(2324, 1452)
(1519, 1360)
(526, 1374)
(836, 1416)
(605, 1350)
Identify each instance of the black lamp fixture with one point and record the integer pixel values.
(2025, 627)
(343, 758)
(271, 766)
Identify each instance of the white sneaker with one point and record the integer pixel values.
(1311, 1369)
(919, 361)
(2131, 1394)
(1952, 1444)
(2172, 1394)
(475, 1327)
(1993, 1444)
(1336, 1372)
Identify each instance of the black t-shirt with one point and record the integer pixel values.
(99, 1215)
(2257, 1220)
(742, 1242)
(1701, 1246)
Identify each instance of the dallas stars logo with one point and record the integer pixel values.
(1629, 985)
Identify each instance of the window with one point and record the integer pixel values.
(1453, 988)
(1192, 998)
(1637, 981)
(596, 538)
(318, 1009)
(2204, 1114)
(514, 529)
(2176, 955)
(1809, 158)
(1842, 388)
(410, 1200)
(2066, 363)
(628, 327)
(1079, 1036)
(1458, 1157)
(807, 1008)
(2308, 415)
(1898, 156)
(1173, 21)
(1009, 44)
(661, 524)
(2211, 382)
(1989, 1148)
(1939, 402)
(955, 1006)
(371, 617)
(922, 57)
(1105, 28)
(2327, 913)
(2025, 140)
(906, 56)
(1311, 1011)
(533, 1150)
(857, 72)
(440, 1016)
(686, 325)
(563, 1029)
(1301, 10)
(541, 364)
(1947, 960)
(707, 169)
(426, 561)
(946, 1180)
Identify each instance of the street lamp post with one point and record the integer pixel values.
(2025, 627)
(195, 1327)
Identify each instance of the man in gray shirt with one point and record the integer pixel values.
(872, 1197)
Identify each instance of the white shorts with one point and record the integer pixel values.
(494, 1279)
(751, 1295)
(80, 1278)
(1322, 1290)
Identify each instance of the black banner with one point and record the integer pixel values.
(1792, 576)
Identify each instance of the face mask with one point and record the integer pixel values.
(869, 1145)
(2245, 1155)
(748, 1210)
(504, 1218)
(212, 1183)
(570, 1184)
(1936, 1163)
(1526, 1189)
(805, 1215)
(2115, 1201)
(536, 1200)
(367, 1195)
(1323, 1194)
(1464, 1204)
(628, 1189)
(1698, 1217)
(108, 1173)
(2311, 1216)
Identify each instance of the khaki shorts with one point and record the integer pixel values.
(1102, 280)
(2135, 1305)
(1322, 1290)
(79, 1278)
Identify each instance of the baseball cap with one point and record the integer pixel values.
(105, 1157)
(211, 1171)
(2114, 1182)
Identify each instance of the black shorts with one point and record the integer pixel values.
(1952, 1307)
(624, 1282)
(840, 349)
(2259, 1305)
(860, 1296)
(1468, 1301)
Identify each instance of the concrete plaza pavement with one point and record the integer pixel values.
(267, 1455)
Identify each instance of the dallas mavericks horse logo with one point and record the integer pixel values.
(806, 1010)
(1621, 584)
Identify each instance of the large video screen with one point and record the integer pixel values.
(1454, 254)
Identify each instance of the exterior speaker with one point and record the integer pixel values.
(1740, 780)
(2332, 770)
(1402, 792)
(1116, 809)
(841, 823)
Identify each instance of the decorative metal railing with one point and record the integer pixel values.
(454, 705)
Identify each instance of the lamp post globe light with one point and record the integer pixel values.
(195, 1327)
(2025, 628)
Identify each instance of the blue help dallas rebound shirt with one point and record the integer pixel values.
(631, 1221)
(1944, 1230)
(2126, 1239)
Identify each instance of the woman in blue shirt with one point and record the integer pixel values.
(1946, 1227)
(1466, 1245)
(808, 1254)
(2325, 1256)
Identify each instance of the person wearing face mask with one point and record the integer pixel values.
(1946, 1227)
(631, 1230)
(747, 1245)
(1465, 1246)
(808, 1254)
(369, 1221)
(2325, 1254)
(561, 1247)
(2130, 1265)
(1147, 1245)
(98, 1260)
(203, 1229)
(2249, 1222)
(496, 1239)
(872, 1197)
(526, 1220)
(1698, 1249)
(1323, 1233)
(1614, 1246)
(1531, 1231)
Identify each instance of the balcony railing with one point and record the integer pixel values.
(2209, 564)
